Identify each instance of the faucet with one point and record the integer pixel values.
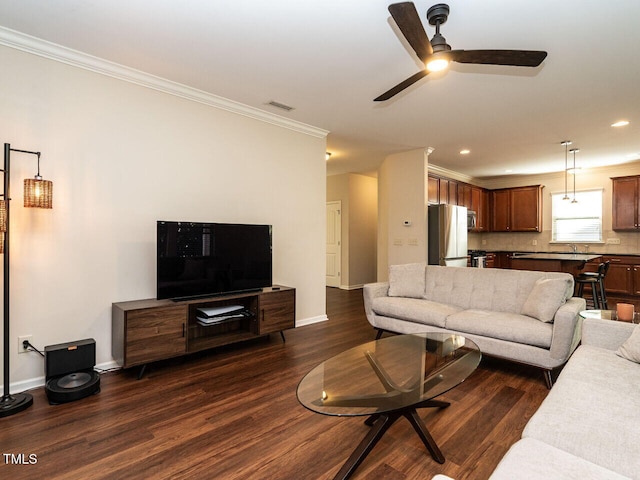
(574, 247)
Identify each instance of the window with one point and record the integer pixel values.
(577, 222)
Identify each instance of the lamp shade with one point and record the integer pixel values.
(3, 216)
(38, 193)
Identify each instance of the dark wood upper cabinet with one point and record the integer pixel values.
(625, 201)
(503, 210)
(433, 189)
(464, 195)
(517, 209)
(452, 192)
(480, 205)
(500, 208)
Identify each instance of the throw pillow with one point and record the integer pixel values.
(547, 295)
(407, 280)
(631, 348)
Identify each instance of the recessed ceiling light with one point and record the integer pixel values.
(621, 123)
(508, 171)
(465, 152)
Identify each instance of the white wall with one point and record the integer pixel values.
(363, 227)
(122, 156)
(402, 195)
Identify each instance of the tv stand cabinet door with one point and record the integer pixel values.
(277, 311)
(155, 334)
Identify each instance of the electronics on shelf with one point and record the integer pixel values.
(217, 315)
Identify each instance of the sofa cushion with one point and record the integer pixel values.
(547, 295)
(407, 280)
(530, 459)
(631, 348)
(414, 310)
(592, 411)
(507, 326)
(485, 288)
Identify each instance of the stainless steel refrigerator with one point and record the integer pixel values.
(447, 235)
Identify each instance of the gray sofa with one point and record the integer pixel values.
(588, 426)
(524, 316)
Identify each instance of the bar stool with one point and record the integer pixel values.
(596, 281)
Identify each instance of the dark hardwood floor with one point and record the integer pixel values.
(232, 413)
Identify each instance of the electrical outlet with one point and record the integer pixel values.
(534, 242)
(398, 241)
(21, 339)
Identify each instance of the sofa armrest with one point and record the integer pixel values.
(371, 291)
(608, 334)
(567, 328)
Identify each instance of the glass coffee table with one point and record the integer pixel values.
(607, 315)
(387, 379)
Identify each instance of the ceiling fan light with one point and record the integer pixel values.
(437, 64)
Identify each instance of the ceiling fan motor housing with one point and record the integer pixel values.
(438, 14)
(439, 44)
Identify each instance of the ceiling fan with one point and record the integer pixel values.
(436, 54)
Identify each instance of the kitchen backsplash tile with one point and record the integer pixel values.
(629, 243)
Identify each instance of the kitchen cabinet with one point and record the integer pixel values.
(441, 190)
(451, 192)
(625, 203)
(620, 277)
(464, 195)
(433, 190)
(502, 260)
(517, 209)
(623, 277)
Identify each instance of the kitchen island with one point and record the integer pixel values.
(571, 263)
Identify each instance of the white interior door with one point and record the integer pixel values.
(334, 232)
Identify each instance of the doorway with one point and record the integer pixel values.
(334, 243)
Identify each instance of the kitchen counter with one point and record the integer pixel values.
(571, 263)
(581, 257)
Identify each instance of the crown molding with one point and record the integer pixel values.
(42, 48)
(435, 169)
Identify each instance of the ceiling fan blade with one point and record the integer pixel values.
(516, 58)
(406, 17)
(401, 86)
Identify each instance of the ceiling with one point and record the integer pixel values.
(329, 59)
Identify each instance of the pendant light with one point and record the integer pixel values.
(574, 151)
(566, 144)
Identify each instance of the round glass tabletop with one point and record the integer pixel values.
(608, 315)
(389, 374)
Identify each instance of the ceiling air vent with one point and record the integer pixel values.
(279, 105)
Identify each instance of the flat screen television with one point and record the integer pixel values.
(202, 259)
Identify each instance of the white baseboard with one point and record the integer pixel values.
(37, 382)
(311, 320)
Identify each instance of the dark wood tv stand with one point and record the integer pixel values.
(145, 331)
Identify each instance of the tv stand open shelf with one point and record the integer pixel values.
(145, 331)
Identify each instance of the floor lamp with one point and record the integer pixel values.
(37, 193)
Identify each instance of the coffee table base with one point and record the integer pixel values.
(380, 423)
